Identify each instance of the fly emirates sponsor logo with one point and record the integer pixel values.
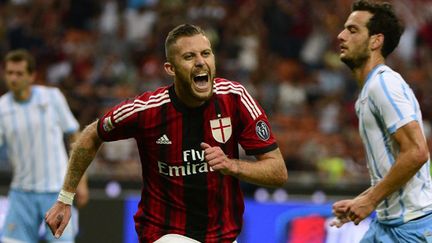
(193, 163)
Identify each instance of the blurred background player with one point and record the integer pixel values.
(33, 120)
(391, 127)
(188, 135)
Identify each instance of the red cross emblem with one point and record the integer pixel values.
(221, 129)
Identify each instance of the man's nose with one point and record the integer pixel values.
(199, 61)
(340, 37)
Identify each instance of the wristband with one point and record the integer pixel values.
(66, 197)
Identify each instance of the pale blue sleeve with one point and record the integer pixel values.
(394, 101)
(67, 121)
(2, 130)
(1, 134)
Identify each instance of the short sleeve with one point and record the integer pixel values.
(394, 100)
(1, 135)
(67, 121)
(257, 136)
(120, 122)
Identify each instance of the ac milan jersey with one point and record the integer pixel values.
(181, 193)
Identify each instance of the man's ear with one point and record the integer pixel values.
(377, 41)
(169, 69)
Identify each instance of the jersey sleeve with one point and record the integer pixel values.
(1, 134)
(120, 122)
(257, 136)
(394, 101)
(67, 121)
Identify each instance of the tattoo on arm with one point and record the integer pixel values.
(82, 155)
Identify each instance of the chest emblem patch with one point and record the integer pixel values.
(221, 129)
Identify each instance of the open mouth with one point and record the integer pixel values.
(201, 80)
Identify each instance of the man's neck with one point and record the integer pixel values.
(22, 95)
(362, 72)
(186, 99)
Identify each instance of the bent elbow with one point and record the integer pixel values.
(282, 178)
(422, 156)
(285, 177)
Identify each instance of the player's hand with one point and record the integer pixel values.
(57, 218)
(361, 207)
(338, 222)
(340, 210)
(218, 160)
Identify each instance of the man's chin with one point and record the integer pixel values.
(348, 62)
(203, 96)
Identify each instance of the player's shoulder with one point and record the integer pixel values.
(386, 78)
(4, 99)
(225, 86)
(149, 99)
(387, 74)
(159, 93)
(144, 101)
(224, 81)
(45, 90)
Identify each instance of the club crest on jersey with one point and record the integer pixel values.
(221, 129)
(107, 124)
(262, 130)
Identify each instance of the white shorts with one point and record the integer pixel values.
(175, 238)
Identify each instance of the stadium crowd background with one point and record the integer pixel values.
(285, 52)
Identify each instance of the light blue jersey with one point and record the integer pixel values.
(33, 134)
(385, 104)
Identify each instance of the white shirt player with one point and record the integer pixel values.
(385, 104)
(33, 134)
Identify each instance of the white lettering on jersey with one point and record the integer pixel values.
(193, 163)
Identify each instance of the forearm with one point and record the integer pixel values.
(366, 191)
(405, 167)
(83, 182)
(83, 152)
(71, 139)
(413, 155)
(269, 170)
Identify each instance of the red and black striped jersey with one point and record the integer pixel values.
(181, 194)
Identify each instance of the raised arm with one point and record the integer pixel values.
(83, 151)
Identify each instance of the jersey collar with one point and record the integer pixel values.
(181, 107)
